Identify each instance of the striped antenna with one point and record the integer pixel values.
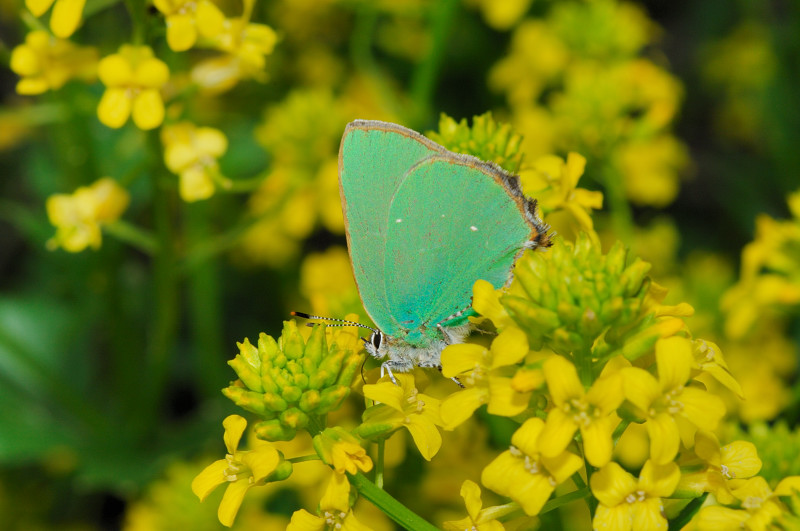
(344, 322)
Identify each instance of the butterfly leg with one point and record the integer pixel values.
(386, 368)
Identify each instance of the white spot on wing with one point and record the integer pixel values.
(473, 228)
(398, 220)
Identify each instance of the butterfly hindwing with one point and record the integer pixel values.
(452, 220)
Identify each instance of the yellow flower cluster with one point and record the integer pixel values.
(46, 63)
(576, 80)
(79, 216)
(192, 153)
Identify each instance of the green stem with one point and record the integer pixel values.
(423, 82)
(132, 235)
(583, 361)
(204, 304)
(138, 12)
(379, 463)
(304, 458)
(570, 497)
(395, 510)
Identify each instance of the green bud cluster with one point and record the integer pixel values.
(486, 139)
(574, 294)
(290, 382)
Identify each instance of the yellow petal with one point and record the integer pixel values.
(527, 436)
(66, 16)
(210, 141)
(606, 393)
(674, 360)
(509, 347)
(234, 428)
(148, 110)
(25, 61)
(597, 441)
(231, 501)
(715, 517)
(557, 434)
(179, 156)
(210, 20)
(151, 73)
(659, 481)
(426, 436)
(611, 484)
(504, 400)
(210, 478)
(664, 438)
(701, 408)
(562, 466)
(640, 387)
(38, 7)
(647, 515)
(337, 494)
(741, 459)
(788, 486)
(261, 461)
(486, 301)
(460, 406)
(195, 184)
(114, 108)
(303, 520)
(706, 446)
(471, 493)
(614, 518)
(562, 379)
(181, 32)
(463, 357)
(32, 86)
(385, 393)
(115, 71)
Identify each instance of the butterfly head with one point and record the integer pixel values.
(375, 344)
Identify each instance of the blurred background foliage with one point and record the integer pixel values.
(112, 358)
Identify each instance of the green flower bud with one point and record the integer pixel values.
(289, 381)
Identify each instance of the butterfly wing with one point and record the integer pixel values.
(452, 220)
(374, 157)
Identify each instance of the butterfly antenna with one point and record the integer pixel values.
(344, 322)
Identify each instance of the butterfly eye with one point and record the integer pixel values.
(376, 339)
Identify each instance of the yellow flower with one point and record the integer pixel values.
(47, 63)
(241, 470)
(486, 301)
(188, 18)
(78, 216)
(132, 78)
(630, 504)
(192, 153)
(737, 460)
(483, 371)
(650, 169)
(246, 46)
(326, 280)
(553, 182)
(672, 409)
(708, 358)
(335, 512)
(342, 451)
(590, 411)
(402, 406)
(524, 474)
(64, 19)
(477, 519)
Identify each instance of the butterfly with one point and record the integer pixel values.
(423, 224)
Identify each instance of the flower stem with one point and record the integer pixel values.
(379, 464)
(133, 236)
(395, 510)
(570, 497)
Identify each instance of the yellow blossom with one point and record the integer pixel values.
(630, 504)
(192, 153)
(477, 519)
(64, 19)
(241, 470)
(78, 216)
(133, 78)
(47, 63)
(342, 451)
(524, 474)
(188, 18)
(673, 410)
(574, 408)
(334, 510)
(483, 372)
(402, 406)
(553, 182)
(246, 46)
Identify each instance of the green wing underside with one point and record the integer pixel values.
(427, 226)
(450, 224)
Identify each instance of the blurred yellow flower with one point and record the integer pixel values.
(525, 475)
(246, 46)
(630, 504)
(64, 19)
(133, 78)
(192, 153)
(326, 280)
(78, 216)
(650, 169)
(501, 14)
(47, 63)
(188, 18)
(477, 519)
(241, 470)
